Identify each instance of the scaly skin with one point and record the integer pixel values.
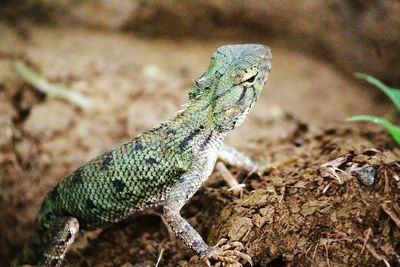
(162, 167)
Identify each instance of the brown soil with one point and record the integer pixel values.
(299, 212)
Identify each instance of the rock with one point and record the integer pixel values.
(366, 175)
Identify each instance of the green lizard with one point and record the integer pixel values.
(163, 167)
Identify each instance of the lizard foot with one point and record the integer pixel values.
(227, 253)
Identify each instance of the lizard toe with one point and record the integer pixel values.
(228, 254)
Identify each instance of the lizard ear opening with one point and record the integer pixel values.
(197, 92)
(194, 93)
(205, 82)
(199, 89)
(251, 80)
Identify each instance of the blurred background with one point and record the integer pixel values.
(135, 60)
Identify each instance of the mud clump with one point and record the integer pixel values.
(314, 210)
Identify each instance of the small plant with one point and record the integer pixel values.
(393, 94)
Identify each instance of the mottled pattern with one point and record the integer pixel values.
(162, 167)
(136, 174)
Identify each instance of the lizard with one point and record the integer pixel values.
(163, 167)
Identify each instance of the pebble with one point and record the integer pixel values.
(366, 175)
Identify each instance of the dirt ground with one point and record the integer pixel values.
(310, 210)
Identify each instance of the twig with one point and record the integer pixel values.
(363, 201)
(335, 163)
(366, 239)
(307, 250)
(55, 90)
(315, 251)
(342, 171)
(376, 255)
(326, 242)
(332, 171)
(396, 177)
(386, 188)
(396, 208)
(333, 166)
(159, 257)
(391, 214)
(326, 188)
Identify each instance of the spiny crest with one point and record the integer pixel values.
(205, 83)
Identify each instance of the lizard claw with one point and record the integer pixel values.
(227, 253)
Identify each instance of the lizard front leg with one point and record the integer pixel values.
(228, 253)
(178, 196)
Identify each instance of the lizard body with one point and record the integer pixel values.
(162, 167)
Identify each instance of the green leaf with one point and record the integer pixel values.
(393, 129)
(392, 93)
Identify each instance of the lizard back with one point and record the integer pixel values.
(131, 177)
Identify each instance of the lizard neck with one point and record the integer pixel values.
(194, 128)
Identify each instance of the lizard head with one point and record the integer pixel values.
(233, 82)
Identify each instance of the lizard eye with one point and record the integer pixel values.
(250, 81)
